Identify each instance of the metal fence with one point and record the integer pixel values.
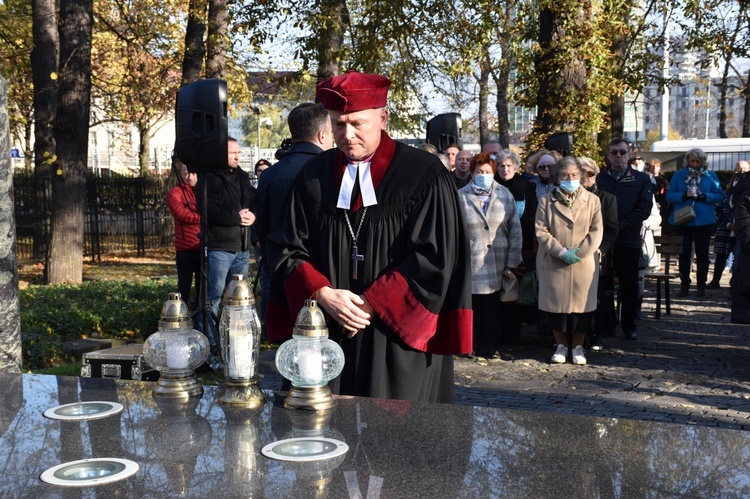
(121, 214)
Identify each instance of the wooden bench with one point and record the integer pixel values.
(668, 247)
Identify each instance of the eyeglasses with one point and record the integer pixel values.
(590, 174)
(543, 167)
(618, 152)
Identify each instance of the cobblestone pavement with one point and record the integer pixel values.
(690, 367)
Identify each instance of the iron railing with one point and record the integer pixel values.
(121, 214)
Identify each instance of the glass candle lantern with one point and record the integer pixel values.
(176, 350)
(310, 360)
(239, 330)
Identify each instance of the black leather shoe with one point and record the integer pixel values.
(631, 335)
(683, 291)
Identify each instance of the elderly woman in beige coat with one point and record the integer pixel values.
(494, 231)
(569, 230)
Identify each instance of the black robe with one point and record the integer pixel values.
(415, 272)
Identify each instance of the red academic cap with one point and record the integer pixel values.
(354, 91)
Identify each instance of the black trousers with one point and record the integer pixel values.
(605, 317)
(701, 237)
(626, 261)
(189, 268)
(487, 326)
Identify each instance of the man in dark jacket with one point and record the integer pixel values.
(310, 127)
(604, 317)
(634, 199)
(230, 204)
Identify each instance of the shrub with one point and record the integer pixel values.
(51, 315)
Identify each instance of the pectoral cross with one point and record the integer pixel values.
(356, 257)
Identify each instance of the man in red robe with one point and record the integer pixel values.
(374, 232)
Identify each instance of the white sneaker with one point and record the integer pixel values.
(579, 356)
(561, 355)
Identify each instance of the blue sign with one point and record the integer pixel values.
(15, 153)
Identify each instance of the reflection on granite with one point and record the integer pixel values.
(396, 449)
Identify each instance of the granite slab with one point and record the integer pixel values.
(396, 449)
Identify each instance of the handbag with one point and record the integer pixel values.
(684, 215)
(528, 289)
(509, 289)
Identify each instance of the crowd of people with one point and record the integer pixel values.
(413, 252)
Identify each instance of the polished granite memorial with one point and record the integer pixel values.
(396, 449)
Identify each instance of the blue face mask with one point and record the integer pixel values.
(483, 180)
(570, 185)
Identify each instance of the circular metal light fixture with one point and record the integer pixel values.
(82, 411)
(87, 472)
(305, 449)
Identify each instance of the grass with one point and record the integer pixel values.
(121, 298)
(72, 369)
(125, 265)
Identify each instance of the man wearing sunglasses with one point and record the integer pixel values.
(634, 198)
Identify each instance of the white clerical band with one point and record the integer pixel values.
(365, 185)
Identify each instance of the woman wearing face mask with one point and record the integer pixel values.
(569, 230)
(494, 231)
(724, 239)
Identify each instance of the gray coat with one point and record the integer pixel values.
(495, 238)
(567, 288)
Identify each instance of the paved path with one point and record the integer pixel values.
(690, 367)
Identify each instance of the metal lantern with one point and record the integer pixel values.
(176, 350)
(239, 331)
(310, 360)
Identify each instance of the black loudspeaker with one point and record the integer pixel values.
(561, 142)
(201, 126)
(445, 130)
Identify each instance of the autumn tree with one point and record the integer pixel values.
(719, 31)
(137, 49)
(217, 42)
(16, 41)
(332, 36)
(65, 259)
(195, 47)
(474, 47)
(44, 60)
(563, 71)
(631, 31)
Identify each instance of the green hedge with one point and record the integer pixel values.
(51, 315)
